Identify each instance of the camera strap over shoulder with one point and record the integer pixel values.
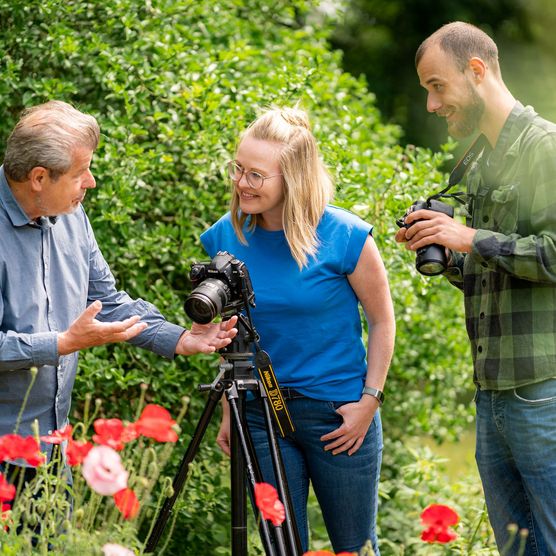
(460, 169)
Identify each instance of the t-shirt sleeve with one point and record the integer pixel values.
(213, 237)
(357, 231)
(208, 241)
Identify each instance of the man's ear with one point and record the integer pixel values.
(38, 176)
(478, 69)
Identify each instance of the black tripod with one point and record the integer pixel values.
(235, 378)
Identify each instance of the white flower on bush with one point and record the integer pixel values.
(112, 549)
(103, 471)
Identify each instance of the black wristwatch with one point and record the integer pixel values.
(375, 393)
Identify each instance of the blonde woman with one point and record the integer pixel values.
(311, 265)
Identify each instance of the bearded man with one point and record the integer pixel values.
(504, 261)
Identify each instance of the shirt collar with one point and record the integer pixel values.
(15, 213)
(519, 118)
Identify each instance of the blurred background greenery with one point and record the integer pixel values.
(379, 39)
(172, 83)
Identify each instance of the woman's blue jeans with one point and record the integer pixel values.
(516, 456)
(345, 486)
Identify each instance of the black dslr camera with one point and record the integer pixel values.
(431, 259)
(221, 287)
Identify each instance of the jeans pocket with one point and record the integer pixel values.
(539, 393)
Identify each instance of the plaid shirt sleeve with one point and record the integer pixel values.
(454, 271)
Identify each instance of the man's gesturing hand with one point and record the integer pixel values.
(85, 331)
(206, 338)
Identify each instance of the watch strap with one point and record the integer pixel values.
(375, 393)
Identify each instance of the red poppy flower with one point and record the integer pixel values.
(13, 447)
(77, 451)
(57, 437)
(156, 422)
(437, 520)
(113, 433)
(7, 491)
(126, 501)
(266, 499)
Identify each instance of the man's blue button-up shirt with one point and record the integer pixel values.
(50, 271)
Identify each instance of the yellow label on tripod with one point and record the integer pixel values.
(272, 389)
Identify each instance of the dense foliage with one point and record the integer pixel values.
(172, 82)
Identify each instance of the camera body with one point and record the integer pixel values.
(220, 287)
(431, 259)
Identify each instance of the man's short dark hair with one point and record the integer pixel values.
(462, 41)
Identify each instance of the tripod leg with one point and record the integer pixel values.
(292, 534)
(249, 457)
(181, 475)
(238, 494)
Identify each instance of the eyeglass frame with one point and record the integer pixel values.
(233, 164)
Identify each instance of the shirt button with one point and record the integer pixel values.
(480, 349)
(484, 283)
(482, 316)
(485, 218)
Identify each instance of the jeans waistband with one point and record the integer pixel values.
(290, 393)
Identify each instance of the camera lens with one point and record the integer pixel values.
(431, 260)
(206, 301)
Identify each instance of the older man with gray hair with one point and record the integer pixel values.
(57, 294)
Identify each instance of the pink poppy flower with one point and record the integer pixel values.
(113, 549)
(103, 471)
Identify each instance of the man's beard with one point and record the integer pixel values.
(470, 116)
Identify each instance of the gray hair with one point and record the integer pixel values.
(47, 135)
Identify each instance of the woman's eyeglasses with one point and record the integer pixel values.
(254, 179)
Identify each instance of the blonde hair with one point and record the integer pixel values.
(46, 135)
(308, 186)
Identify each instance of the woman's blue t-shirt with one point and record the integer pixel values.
(308, 320)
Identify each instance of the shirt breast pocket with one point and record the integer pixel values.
(504, 209)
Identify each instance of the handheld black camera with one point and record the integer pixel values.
(431, 259)
(221, 286)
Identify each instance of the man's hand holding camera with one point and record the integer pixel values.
(427, 227)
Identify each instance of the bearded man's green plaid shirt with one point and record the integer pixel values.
(509, 277)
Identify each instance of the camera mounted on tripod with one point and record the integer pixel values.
(221, 287)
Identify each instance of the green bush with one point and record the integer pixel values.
(172, 83)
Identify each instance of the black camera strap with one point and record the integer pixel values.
(273, 392)
(459, 171)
